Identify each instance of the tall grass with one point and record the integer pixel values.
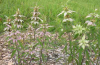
(50, 8)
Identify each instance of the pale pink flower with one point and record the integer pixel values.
(90, 23)
(19, 38)
(19, 26)
(17, 32)
(68, 19)
(14, 40)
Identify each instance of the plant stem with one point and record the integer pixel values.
(18, 54)
(70, 44)
(41, 51)
(98, 60)
(34, 33)
(83, 57)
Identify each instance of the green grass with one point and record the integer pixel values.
(49, 8)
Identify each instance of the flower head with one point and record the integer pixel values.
(89, 23)
(17, 22)
(66, 13)
(83, 42)
(94, 15)
(35, 18)
(68, 20)
(78, 29)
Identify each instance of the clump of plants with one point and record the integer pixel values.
(77, 45)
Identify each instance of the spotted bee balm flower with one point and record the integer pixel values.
(66, 13)
(83, 42)
(35, 18)
(8, 24)
(18, 19)
(90, 23)
(93, 17)
(68, 19)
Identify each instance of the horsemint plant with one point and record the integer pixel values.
(93, 35)
(80, 32)
(35, 23)
(18, 20)
(17, 26)
(15, 36)
(44, 42)
(35, 19)
(87, 47)
(67, 24)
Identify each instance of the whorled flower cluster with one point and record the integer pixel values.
(83, 42)
(8, 24)
(78, 29)
(35, 18)
(92, 19)
(67, 13)
(17, 22)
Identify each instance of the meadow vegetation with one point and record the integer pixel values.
(57, 32)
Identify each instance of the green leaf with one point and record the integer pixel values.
(43, 57)
(76, 36)
(23, 54)
(87, 54)
(19, 60)
(12, 47)
(35, 46)
(21, 45)
(76, 61)
(94, 49)
(13, 53)
(70, 59)
(80, 56)
(66, 48)
(87, 63)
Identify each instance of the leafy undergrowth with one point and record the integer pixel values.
(69, 44)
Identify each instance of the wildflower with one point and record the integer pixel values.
(66, 13)
(35, 22)
(8, 24)
(19, 26)
(78, 29)
(69, 19)
(30, 28)
(45, 26)
(62, 30)
(94, 15)
(7, 28)
(17, 21)
(83, 42)
(90, 23)
(61, 13)
(14, 40)
(35, 18)
(14, 36)
(96, 9)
